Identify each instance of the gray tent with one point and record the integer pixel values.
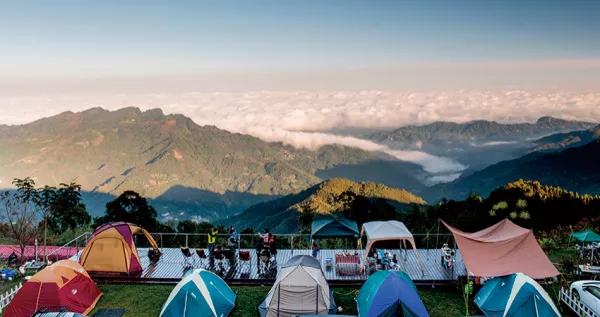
(300, 289)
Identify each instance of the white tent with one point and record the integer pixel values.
(385, 231)
(300, 289)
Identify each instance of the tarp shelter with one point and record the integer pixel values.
(111, 249)
(63, 284)
(503, 249)
(300, 289)
(201, 293)
(586, 236)
(386, 231)
(390, 293)
(516, 295)
(334, 228)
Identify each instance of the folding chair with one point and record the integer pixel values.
(218, 256)
(203, 258)
(245, 262)
(188, 257)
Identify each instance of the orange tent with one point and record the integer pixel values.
(503, 249)
(111, 249)
(64, 284)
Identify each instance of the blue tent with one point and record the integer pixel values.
(332, 228)
(200, 293)
(390, 293)
(516, 295)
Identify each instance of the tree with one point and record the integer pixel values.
(68, 209)
(21, 211)
(130, 207)
(306, 217)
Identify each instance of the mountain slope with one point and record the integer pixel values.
(575, 169)
(563, 141)
(166, 157)
(281, 215)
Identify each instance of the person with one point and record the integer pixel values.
(265, 237)
(233, 239)
(315, 250)
(273, 248)
(212, 237)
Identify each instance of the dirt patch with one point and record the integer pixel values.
(177, 155)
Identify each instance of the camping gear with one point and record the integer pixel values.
(63, 284)
(347, 265)
(516, 295)
(200, 293)
(300, 289)
(501, 250)
(390, 293)
(332, 228)
(188, 257)
(111, 249)
(388, 230)
(447, 256)
(8, 274)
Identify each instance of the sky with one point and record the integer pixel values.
(252, 45)
(291, 71)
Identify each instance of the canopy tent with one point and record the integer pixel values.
(334, 228)
(390, 293)
(501, 250)
(516, 295)
(200, 293)
(300, 289)
(63, 284)
(111, 249)
(385, 231)
(586, 236)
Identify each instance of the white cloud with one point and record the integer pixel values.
(302, 119)
(495, 143)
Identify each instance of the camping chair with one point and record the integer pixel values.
(58, 311)
(188, 257)
(203, 258)
(219, 257)
(265, 262)
(245, 262)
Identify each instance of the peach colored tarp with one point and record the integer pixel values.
(501, 250)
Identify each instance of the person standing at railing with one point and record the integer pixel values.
(232, 242)
(212, 237)
(265, 237)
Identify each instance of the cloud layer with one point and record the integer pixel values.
(302, 119)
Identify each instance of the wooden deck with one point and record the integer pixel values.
(171, 267)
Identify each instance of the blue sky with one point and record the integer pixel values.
(59, 39)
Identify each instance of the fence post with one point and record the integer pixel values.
(161, 242)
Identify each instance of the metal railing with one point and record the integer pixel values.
(70, 249)
(8, 296)
(577, 306)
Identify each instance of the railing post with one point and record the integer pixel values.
(186, 240)
(161, 242)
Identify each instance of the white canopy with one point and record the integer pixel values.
(387, 230)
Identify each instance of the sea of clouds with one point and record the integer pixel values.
(304, 119)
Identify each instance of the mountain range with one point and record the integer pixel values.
(201, 171)
(189, 171)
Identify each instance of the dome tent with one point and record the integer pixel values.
(199, 293)
(111, 249)
(516, 295)
(63, 284)
(300, 289)
(390, 293)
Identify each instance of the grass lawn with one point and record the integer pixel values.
(147, 300)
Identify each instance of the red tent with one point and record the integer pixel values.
(503, 249)
(64, 284)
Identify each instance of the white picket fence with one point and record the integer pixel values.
(6, 298)
(579, 308)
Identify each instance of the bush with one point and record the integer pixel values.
(568, 264)
(547, 244)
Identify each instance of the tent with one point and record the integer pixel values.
(111, 249)
(385, 231)
(586, 236)
(501, 250)
(390, 293)
(300, 289)
(64, 284)
(200, 293)
(516, 295)
(332, 228)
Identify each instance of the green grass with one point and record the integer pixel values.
(147, 300)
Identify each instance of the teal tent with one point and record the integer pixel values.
(390, 293)
(200, 293)
(586, 236)
(334, 228)
(516, 295)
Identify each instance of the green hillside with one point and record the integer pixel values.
(575, 169)
(281, 215)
